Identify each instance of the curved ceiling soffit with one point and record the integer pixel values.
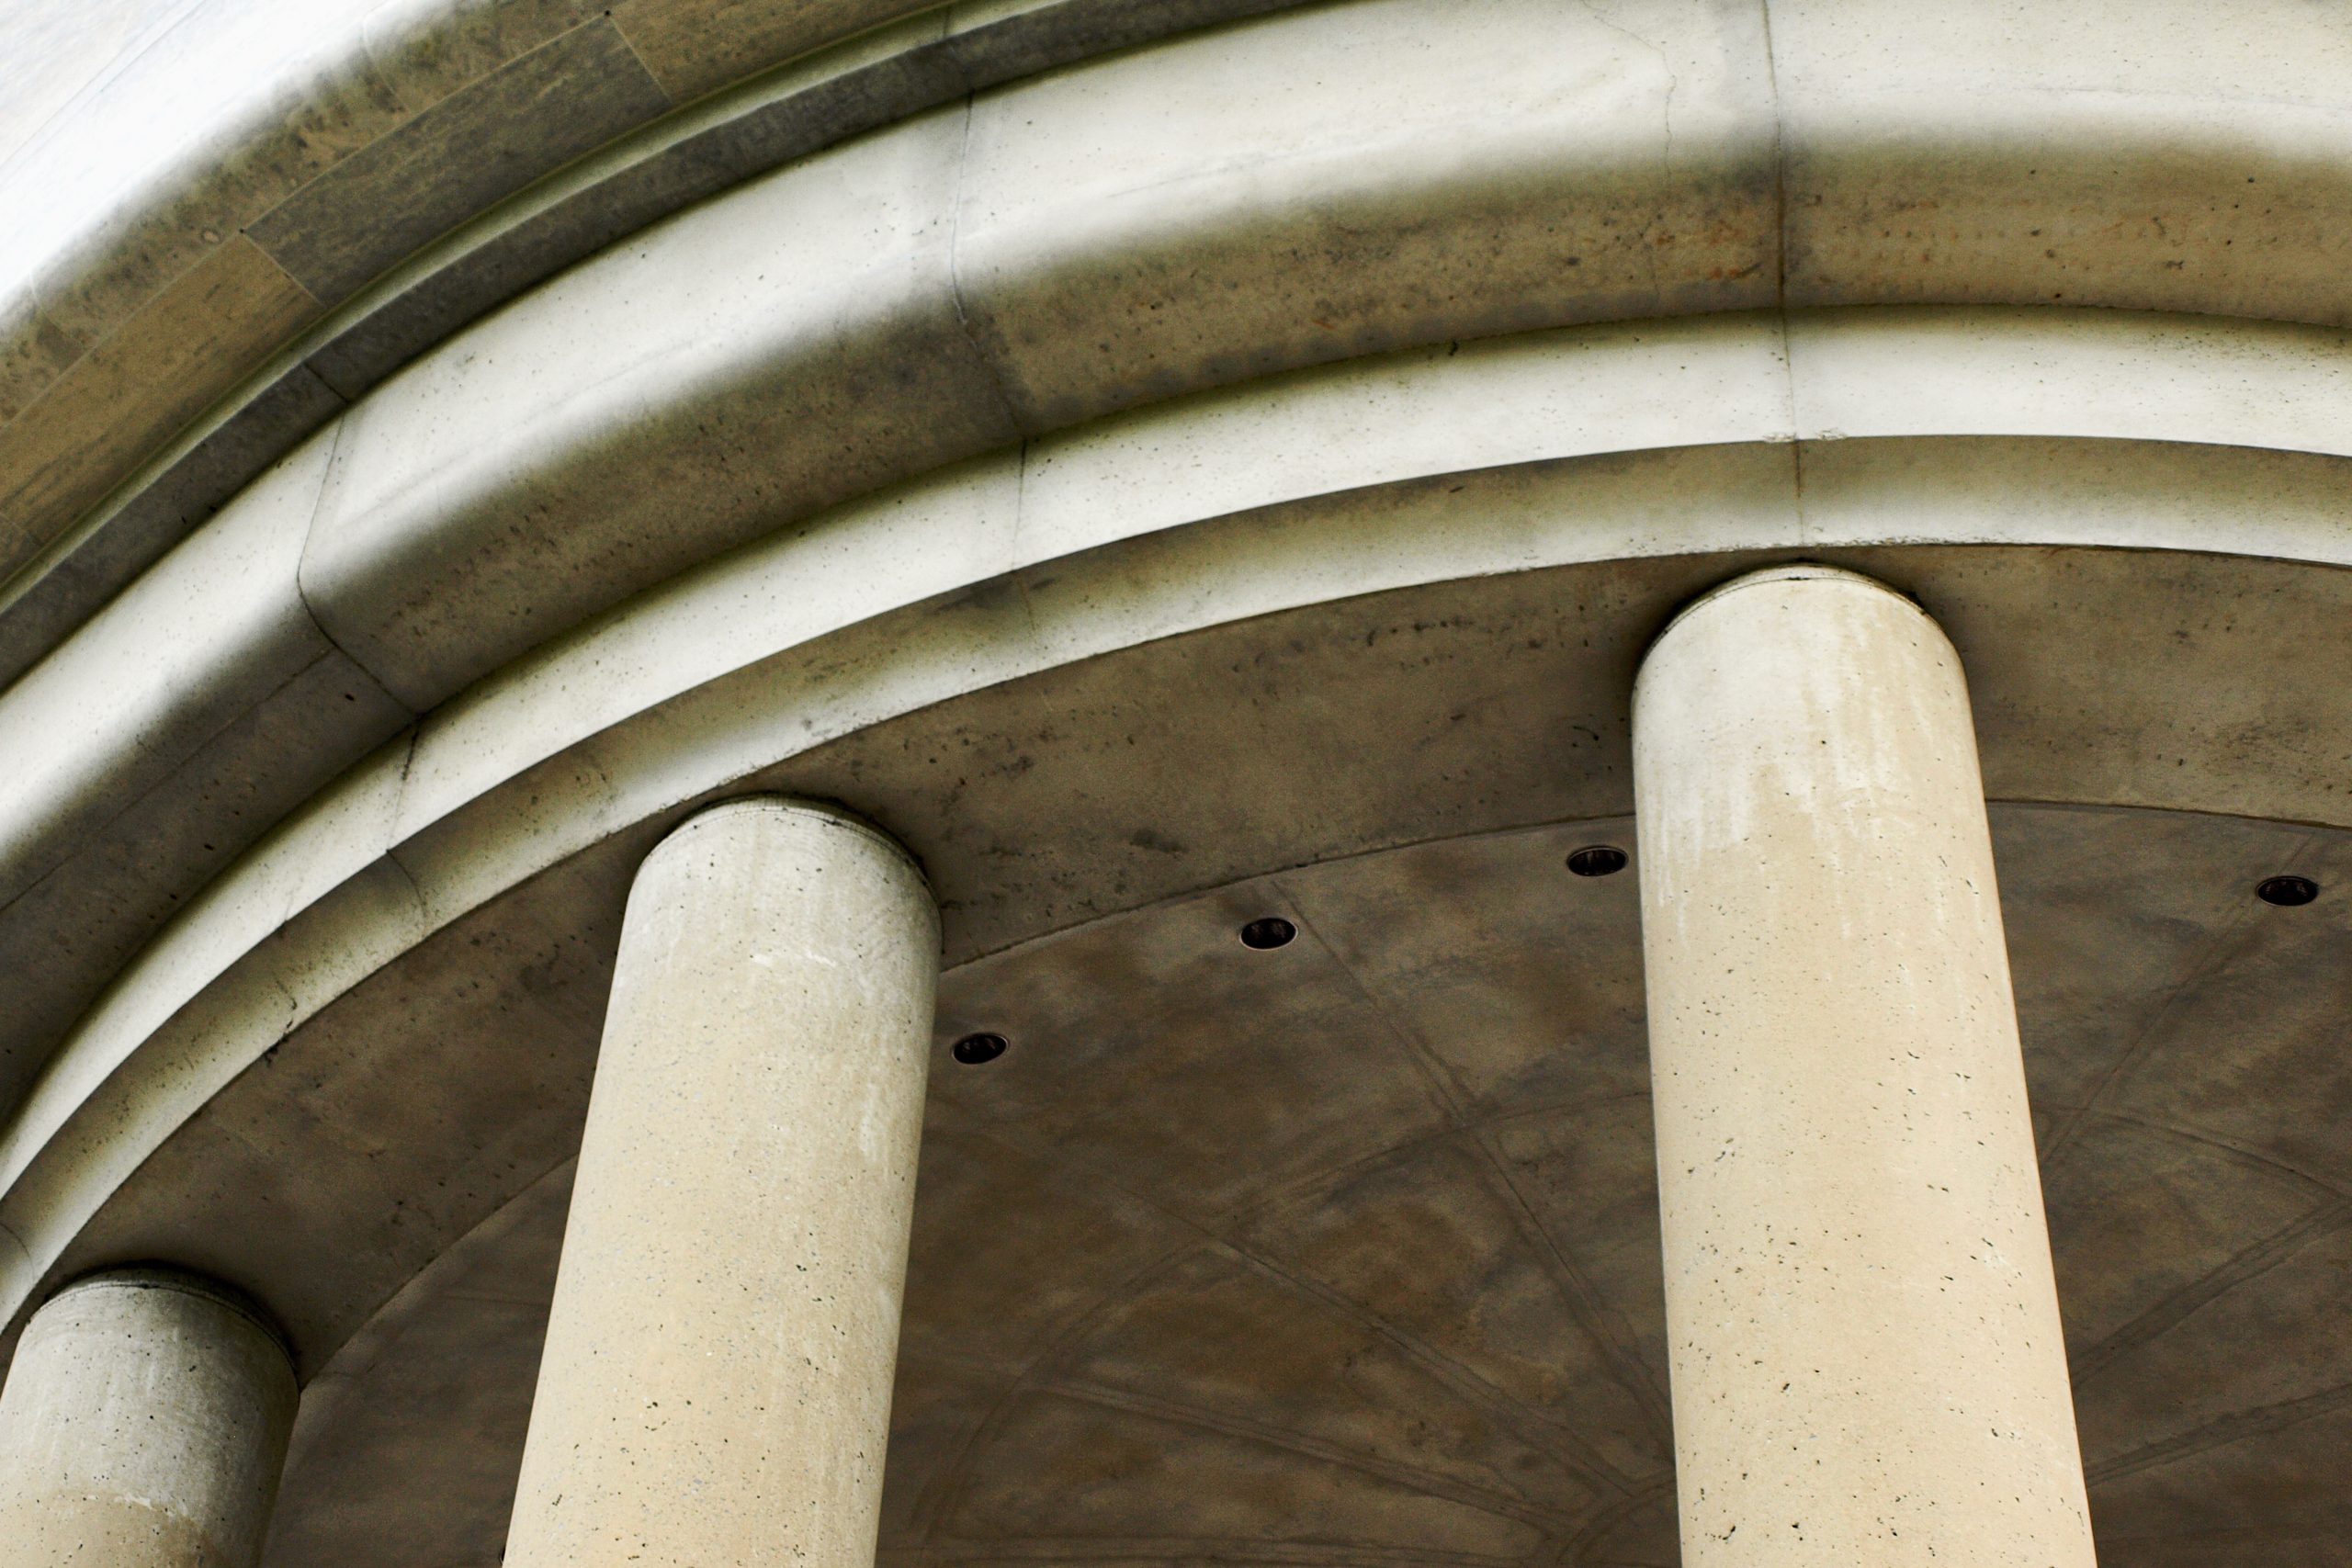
(228, 707)
(1468, 892)
(423, 840)
(344, 190)
(1554, 164)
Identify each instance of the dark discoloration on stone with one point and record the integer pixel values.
(829, 109)
(114, 549)
(868, 82)
(472, 149)
(189, 347)
(467, 41)
(82, 922)
(34, 351)
(699, 46)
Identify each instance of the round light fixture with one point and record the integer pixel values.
(974, 1049)
(1271, 931)
(2287, 891)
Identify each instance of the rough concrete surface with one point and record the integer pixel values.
(143, 1424)
(1349, 1251)
(716, 1381)
(1167, 463)
(1867, 1361)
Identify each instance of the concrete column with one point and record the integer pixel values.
(1866, 1358)
(715, 1390)
(144, 1426)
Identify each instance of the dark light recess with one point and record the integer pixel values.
(1596, 860)
(974, 1049)
(1271, 931)
(2287, 891)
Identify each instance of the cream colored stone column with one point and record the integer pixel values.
(144, 1426)
(715, 1390)
(1866, 1359)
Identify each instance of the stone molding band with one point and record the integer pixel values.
(1842, 143)
(133, 415)
(228, 708)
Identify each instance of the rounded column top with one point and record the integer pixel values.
(1786, 571)
(166, 1277)
(826, 813)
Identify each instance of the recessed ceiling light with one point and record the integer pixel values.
(1596, 860)
(974, 1049)
(2288, 891)
(1271, 931)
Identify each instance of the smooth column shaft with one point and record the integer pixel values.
(716, 1389)
(144, 1426)
(1866, 1357)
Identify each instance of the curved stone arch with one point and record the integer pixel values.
(396, 562)
(1709, 158)
(1357, 424)
(413, 851)
(1080, 411)
(183, 318)
(229, 707)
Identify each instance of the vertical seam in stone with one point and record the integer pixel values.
(17, 1241)
(999, 386)
(1779, 163)
(628, 43)
(1014, 567)
(1781, 269)
(302, 561)
(391, 829)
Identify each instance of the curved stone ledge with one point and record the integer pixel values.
(1662, 158)
(157, 360)
(227, 704)
(391, 889)
(894, 304)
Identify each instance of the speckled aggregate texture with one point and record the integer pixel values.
(716, 1388)
(1866, 1358)
(144, 1426)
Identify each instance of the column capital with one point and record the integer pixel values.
(1786, 571)
(186, 1281)
(830, 814)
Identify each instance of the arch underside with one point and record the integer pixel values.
(1165, 488)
